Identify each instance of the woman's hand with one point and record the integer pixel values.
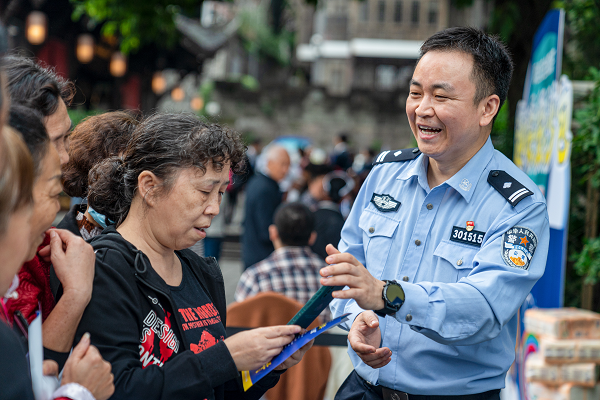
(254, 348)
(73, 260)
(87, 367)
(296, 357)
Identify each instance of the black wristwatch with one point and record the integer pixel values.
(393, 298)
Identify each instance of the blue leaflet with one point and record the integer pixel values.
(249, 378)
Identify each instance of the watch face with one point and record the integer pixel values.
(395, 294)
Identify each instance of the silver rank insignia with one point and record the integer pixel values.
(385, 202)
(518, 246)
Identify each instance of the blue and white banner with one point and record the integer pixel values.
(543, 150)
(543, 146)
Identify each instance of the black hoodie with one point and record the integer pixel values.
(128, 300)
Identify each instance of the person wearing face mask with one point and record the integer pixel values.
(85, 376)
(158, 310)
(94, 139)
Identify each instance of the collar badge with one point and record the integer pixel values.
(465, 185)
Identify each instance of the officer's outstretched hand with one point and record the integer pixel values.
(365, 337)
(346, 270)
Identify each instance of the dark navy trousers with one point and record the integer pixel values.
(356, 388)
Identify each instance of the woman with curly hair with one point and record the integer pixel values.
(157, 311)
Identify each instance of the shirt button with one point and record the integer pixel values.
(429, 206)
(408, 317)
(459, 262)
(418, 242)
(405, 279)
(371, 230)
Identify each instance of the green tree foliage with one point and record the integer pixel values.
(587, 262)
(586, 143)
(581, 55)
(136, 22)
(586, 166)
(582, 48)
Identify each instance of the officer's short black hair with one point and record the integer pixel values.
(294, 223)
(492, 63)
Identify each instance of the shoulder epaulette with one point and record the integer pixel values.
(397, 155)
(511, 189)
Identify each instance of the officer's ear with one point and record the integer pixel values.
(489, 107)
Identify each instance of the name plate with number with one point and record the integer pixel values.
(462, 235)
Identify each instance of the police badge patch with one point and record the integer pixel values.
(385, 202)
(518, 246)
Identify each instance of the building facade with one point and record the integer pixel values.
(374, 44)
(356, 59)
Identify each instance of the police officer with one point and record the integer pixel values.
(444, 242)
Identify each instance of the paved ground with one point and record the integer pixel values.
(232, 269)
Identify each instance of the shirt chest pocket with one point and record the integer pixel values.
(454, 261)
(378, 234)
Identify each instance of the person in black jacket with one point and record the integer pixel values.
(328, 218)
(157, 311)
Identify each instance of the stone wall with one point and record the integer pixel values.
(369, 118)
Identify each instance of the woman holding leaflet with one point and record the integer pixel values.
(158, 310)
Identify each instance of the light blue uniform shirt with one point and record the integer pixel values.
(455, 334)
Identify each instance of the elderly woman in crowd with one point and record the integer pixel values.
(157, 311)
(85, 371)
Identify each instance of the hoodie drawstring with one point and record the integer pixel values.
(140, 256)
